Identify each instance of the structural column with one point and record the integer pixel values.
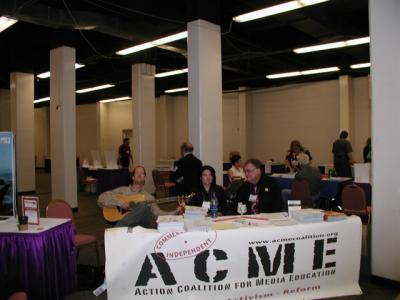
(63, 125)
(244, 100)
(5, 122)
(205, 93)
(22, 124)
(385, 69)
(144, 124)
(163, 128)
(345, 104)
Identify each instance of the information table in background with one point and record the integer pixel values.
(108, 179)
(330, 188)
(43, 257)
(302, 261)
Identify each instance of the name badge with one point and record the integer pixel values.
(253, 198)
(206, 205)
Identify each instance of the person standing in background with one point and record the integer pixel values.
(125, 154)
(187, 170)
(367, 151)
(342, 155)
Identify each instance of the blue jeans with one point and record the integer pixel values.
(141, 215)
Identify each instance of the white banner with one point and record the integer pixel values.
(304, 261)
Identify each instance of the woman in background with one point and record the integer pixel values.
(291, 162)
(236, 171)
(367, 151)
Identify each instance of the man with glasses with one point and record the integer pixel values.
(260, 194)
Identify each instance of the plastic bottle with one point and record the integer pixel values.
(214, 206)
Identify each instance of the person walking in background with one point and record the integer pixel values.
(342, 155)
(291, 162)
(367, 151)
(187, 170)
(125, 154)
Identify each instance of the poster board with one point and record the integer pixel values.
(30, 208)
(7, 175)
(303, 261)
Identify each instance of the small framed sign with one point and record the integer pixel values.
(30, 208)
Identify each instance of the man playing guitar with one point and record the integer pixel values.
(131, 205)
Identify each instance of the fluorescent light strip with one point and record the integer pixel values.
(359, 66)
(299, 73)
(41, 100)
(115, 99)
(95, 88)
(47, 74)
(6, 22)
(276, 9)
(161, 41)
(176, 90)
(359, 41)
(171, 73)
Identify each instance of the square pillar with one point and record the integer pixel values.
(63, 126)
(22, 124)
(205, 93)
(144, 120)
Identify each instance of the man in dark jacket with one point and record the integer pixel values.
(187, 170)
(260, 193)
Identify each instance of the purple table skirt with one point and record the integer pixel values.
(45, 262)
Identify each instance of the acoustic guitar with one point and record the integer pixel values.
(114, 214)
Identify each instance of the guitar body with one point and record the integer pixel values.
(114, 214)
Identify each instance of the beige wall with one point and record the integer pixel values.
(5, 109)
(230, 116)
(308, 112)
(42, 135)
(86, 128)
(362, 115)
(118, 117)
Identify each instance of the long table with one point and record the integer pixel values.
(43, 258)
(330, 188)
(108, 179)
(302, 261)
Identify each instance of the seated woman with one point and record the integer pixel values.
(207, 190)
(236, 171)
(291, 162)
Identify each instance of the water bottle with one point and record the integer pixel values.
(214, 206)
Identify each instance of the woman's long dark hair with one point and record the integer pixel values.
(212, 171)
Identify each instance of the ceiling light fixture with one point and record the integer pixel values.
(306, 72)
(47, 74)
(359, 66)
(276, 9)
(115, 99)
(41, 100)
(354, 42)
(155, 43)
(171, 73)
(176, 90)
(95, 88)
(6, 22)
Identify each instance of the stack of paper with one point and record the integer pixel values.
(195, 212)
(197, 225)
(308, 215)
(332, 216)
(169, 223)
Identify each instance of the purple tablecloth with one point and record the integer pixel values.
(45, 262)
